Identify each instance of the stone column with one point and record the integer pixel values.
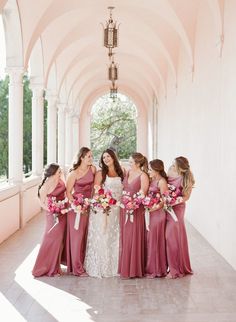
(37, 128)
(61, 134)
(51, 128)
(15, 125)
(69, 136)
(76, 146)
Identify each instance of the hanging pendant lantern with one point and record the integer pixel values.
(113, 71)
(113, 92)
(110, 33)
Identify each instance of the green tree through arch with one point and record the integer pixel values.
(113, 124)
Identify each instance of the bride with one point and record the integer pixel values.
(102, 249)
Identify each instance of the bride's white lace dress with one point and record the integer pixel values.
(102, 249)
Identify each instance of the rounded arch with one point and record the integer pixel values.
(137, 70)
(13, 35)
(85, 112)
(36, 64)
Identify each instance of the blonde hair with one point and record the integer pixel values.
(183, 168)
(141, 160)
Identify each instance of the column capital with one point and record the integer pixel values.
(75, 118)
(68, 111)
(61, 107)
(52, 101)
(37, 90)
(16, 74)
(51, 95)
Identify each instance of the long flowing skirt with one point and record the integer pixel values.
(131, 260)
(76, 243)
(49, 256)
(102, 250)
(156, 263)
(177, 244)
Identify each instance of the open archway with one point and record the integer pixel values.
(113, 125)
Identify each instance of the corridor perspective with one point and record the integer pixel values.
(167, 68)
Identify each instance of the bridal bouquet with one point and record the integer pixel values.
(172, 197)
(57, 208)
(150, 201)
(102, 199)
(131, 203)
(79, 205)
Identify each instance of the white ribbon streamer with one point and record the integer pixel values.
(147, 219)
(130, 216)
(55, 222)
(77, 220)
(172, 213)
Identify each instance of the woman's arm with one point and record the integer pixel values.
(93, 169)
(184, 198)
(70, 182)
(124, 171)
(43, 200)
(162, 184)
(144, 183)
(46, 189)
(98, 178)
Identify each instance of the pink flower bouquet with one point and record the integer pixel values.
(172, 197)
(102, 200)
(79, 205)
(150, 201)
(57, 208)
(131, 203)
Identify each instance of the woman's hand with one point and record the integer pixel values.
(157, 206)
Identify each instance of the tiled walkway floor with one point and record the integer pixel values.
(207, 296)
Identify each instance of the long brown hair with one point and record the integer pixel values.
(81, 154)
(183, 168)
(49, 171)
(104, 167)
(158, 166)
(141, 160)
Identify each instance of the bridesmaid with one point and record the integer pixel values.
(49, 256)
(181, 177)
(80, 181)
(131, 260)
(156, 264)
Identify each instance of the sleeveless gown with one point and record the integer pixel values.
(131, 259)
(176, 238)
(76, 239)
(47, 262)
(103, 236)
(156, 263)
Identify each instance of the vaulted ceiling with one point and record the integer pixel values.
(62, 41)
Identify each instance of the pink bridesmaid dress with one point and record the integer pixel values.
(176, 238)
(77, 238)
(132, 236)
(49, 256)
(156, 263)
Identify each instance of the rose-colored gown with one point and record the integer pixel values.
(156, 263)
(176, 238)
(132, 237)
(76, 239)
(48, 259)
